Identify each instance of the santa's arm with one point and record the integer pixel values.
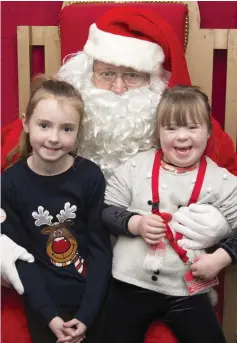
(227, 205)
(207, 266)
(220, 148)
(230, 246)
(206, 225)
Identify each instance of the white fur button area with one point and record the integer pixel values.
(193, 180)
(133, 163)
(209, 189)
(164, 186)
(224, 177)
(148, 175)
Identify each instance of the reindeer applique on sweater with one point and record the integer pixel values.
(61, 247)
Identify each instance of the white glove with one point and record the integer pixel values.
(202, 225)
(10, 252)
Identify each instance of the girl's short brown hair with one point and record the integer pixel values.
(182, 103)
(44, 87)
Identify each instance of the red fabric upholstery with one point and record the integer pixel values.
(9, 140)
(76, 19)
(13, 320)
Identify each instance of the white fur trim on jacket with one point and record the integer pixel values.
(125, 51)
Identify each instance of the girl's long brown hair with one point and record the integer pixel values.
(44, 87)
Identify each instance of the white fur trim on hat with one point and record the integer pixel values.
(125, 51)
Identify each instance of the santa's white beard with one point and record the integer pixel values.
(115, 127)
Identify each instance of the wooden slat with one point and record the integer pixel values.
(231, 88)
(199, 53)
(23, 55)
(52, 50)
(220, 38)
(38, 35)
(28, 36)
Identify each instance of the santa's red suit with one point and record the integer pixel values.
(220, 147)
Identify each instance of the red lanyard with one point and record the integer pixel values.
(155, 199)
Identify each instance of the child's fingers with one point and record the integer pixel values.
(196, 274)
(157, 223)
(80, 334)
(70, 323)
(156, 218)
(155, 230)
(80, 330)
(197, 258)
(154, 223)
(154, 237)
(194, 267)
(78, 339)
(59, 334)
(65, 339)
(69, 332)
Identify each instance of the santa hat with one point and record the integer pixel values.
(138, 38)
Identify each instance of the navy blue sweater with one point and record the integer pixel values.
(58, 219)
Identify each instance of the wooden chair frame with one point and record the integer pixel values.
(199, 55)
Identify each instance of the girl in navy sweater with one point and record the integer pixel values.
(53, 202)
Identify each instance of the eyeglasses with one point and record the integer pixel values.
(130, 78)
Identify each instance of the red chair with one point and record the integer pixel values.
(75, 20)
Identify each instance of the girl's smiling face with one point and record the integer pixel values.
(183, 125)
(53, 129)
(183, 146)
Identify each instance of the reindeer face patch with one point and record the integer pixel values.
(61, 246)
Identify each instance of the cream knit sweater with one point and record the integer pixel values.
(130, 187)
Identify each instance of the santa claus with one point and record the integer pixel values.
(130, 57)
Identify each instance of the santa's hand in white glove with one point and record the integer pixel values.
(202, 226)
(10, 252)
